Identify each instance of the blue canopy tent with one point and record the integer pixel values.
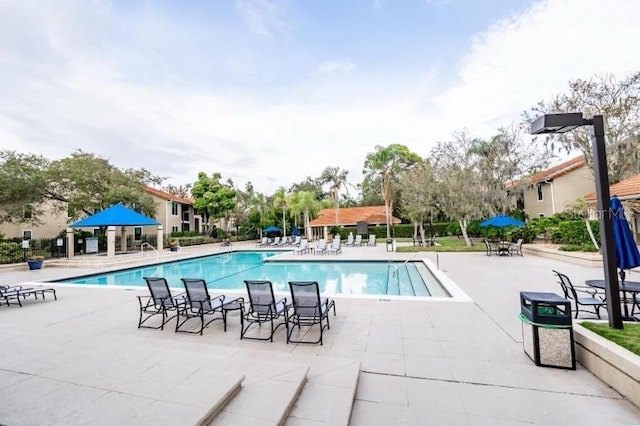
(295, 231)
(271, 229)
(116, 215)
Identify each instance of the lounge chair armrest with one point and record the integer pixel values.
(593, 292)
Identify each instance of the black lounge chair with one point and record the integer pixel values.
(9, 293)
(161, 302)
(263, 308)
(201, 304)
(309, 308)
(571, 292)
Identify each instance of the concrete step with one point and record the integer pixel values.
(328, 395)
(264, 399)
(221, 400)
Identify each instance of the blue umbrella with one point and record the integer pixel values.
(271, 229)
(501, 220)
(627, 255)
(295, 231)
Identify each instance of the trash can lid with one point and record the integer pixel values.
(541, 297)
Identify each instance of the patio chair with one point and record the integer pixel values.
(516, 248)
(296, 241)
(309, 309)
(335, 247)
(358, 241)
(321, 246)
(349, 241)
(9, 293)
(263, 308)
(372, 240)
(571, 292)
(160, 302)
(303, 247)
(201, 304)
(275, 242)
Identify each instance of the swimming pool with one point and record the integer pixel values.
(229, 270)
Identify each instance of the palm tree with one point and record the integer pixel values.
(280, 200)
(304, 202)
(336, 178)
(387, 164)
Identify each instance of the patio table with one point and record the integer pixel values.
(503, 248)
(632, 287)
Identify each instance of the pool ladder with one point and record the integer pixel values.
(152, 247)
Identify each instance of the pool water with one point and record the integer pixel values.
(229, 270)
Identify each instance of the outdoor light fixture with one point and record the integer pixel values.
(562, 123)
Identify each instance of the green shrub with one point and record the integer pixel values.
(574, 232)
(453, 228)
(11, 252)
(527, 233)
(570, 247)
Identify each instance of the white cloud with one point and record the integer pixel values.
(262, 17)
(331, 67)
(68, 84)
(532, 57)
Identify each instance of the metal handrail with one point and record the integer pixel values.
(154, 249)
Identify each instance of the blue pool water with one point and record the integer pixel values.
(228, 270)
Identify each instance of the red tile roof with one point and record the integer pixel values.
(628, 188)
(167, 196)
(351, 216)
(558, 170)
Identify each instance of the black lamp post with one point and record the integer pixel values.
(562, 123)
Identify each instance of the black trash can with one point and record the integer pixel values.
(389, 244)
(547, 329)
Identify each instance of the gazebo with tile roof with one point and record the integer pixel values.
(347, 216)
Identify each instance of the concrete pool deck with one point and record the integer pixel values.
(81, 359)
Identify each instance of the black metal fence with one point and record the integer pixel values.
(16, 251)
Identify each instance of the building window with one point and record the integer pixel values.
(27, 211)
(541, 215)
(26, 235)
(539, 191)
(174, 208)
(174, 229)
(137, 233)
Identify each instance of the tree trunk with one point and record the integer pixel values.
(421, 227)
(463, 228)
(590, 231)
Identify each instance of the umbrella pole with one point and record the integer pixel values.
(624, 293)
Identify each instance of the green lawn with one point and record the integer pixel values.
(628, 337)
(444, 244)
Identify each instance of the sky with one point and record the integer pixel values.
(273, 92)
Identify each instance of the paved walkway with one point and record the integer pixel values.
(81, 360)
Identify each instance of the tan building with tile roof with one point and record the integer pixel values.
(173, 213)
(347, 216)
(628, 191)
(550, 191)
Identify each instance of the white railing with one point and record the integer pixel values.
(152, 247)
